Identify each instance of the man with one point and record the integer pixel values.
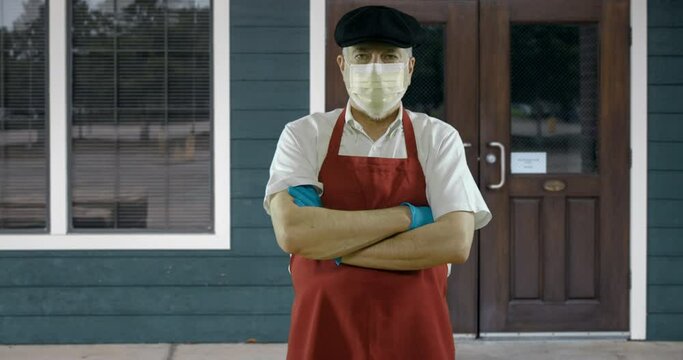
(373, 202)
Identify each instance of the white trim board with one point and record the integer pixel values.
(58, 120)
(638, 191)
(615, 335)
(58, 238)
(317, 56)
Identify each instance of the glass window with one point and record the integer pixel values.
(140, 126)
(554, 94)
(23, 116)
(426, 91)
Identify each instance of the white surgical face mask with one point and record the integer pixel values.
(376, 88)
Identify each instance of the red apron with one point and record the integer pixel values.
(355, 313)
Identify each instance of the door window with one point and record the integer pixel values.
(554, 98)
(426, 91)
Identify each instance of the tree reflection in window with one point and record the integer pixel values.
(141, 115)
(23, 119)
(554, 94)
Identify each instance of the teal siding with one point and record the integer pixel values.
(151, 328)
(186, 296)
(665, 170)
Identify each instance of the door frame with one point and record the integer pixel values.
(638, 130)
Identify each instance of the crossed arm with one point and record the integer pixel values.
(371, 238)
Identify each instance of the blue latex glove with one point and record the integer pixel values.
(419, 215)
(305, 195)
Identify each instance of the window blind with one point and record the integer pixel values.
(141, 122)
(23, 116)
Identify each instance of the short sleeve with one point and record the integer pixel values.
(293, 164)
(450, 185)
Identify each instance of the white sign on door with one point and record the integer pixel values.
(528, 163)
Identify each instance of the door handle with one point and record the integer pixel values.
(492, 159)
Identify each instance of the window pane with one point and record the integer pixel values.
(426, 90)
(554, 94)
(141, 115)
(23, 120)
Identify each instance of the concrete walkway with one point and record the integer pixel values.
(466, 349)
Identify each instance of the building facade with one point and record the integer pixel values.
(136, 136)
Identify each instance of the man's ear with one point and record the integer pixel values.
(411, 66)
(340, 62)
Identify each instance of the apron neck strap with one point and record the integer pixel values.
(408, 133)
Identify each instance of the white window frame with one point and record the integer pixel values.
(638, 191)
(639, 119)
(58, 237)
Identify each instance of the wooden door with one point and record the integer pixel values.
(444, 85)
(541, 86)
(554, 105)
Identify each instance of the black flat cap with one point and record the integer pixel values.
(378, 23)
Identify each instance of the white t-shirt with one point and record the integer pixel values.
(302, 148)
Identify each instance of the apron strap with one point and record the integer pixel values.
(335, 140)
(408, 135)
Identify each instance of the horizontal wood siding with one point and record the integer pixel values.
(148, 329)
(665, 170)
(186, 296)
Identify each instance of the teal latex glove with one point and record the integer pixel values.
(419, 215)
(305, 195)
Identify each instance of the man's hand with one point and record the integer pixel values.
(419, 215)
(305, 195)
